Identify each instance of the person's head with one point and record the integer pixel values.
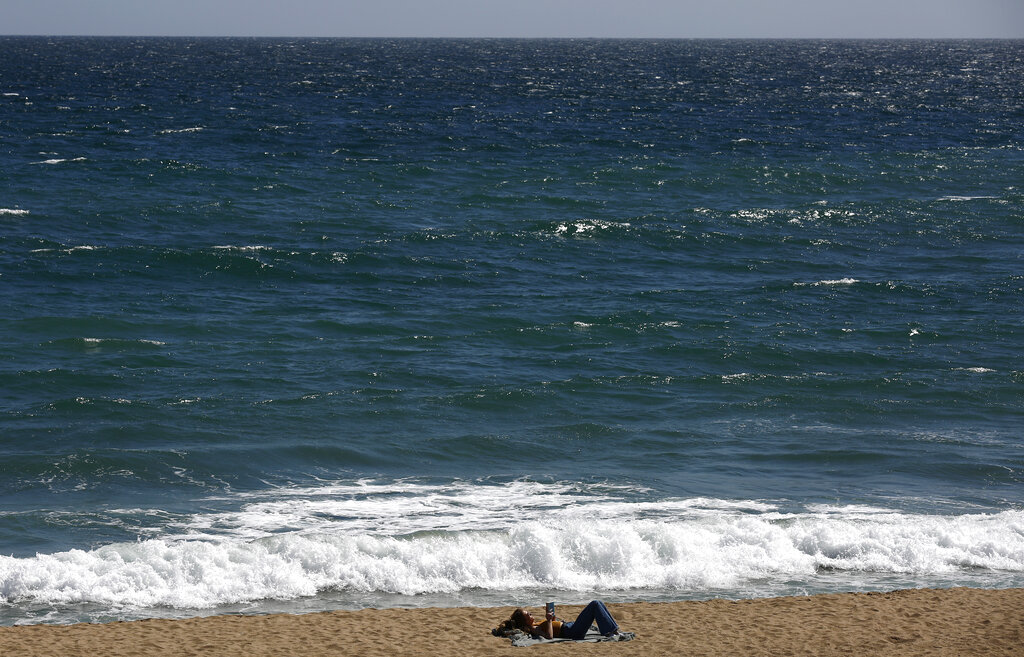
(522, 619)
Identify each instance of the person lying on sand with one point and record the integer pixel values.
(552, 628)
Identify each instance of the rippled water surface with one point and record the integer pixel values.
(300, 324)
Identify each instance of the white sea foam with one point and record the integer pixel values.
(14, 211)
(67, 250)
(244, 249)
(743, 376)
(93, 343)
(832, 281)
(573, 554)
(180, 130)
(584, 227)
(61, 160)
(411, 539)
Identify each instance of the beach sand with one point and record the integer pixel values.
(946, 622)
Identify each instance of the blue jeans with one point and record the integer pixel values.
(595, 611)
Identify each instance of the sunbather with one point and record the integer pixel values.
(552, 628)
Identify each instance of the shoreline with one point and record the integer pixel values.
(903, 623)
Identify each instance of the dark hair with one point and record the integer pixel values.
(516, 623)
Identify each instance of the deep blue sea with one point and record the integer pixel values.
(292, 325)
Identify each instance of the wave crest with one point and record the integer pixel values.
(571, 553)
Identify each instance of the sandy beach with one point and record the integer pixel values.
(958, 621)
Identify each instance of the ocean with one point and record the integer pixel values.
(306, 324)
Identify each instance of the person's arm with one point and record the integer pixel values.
(545, 629)
(548, 626)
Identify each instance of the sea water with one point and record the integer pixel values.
(299, 324)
